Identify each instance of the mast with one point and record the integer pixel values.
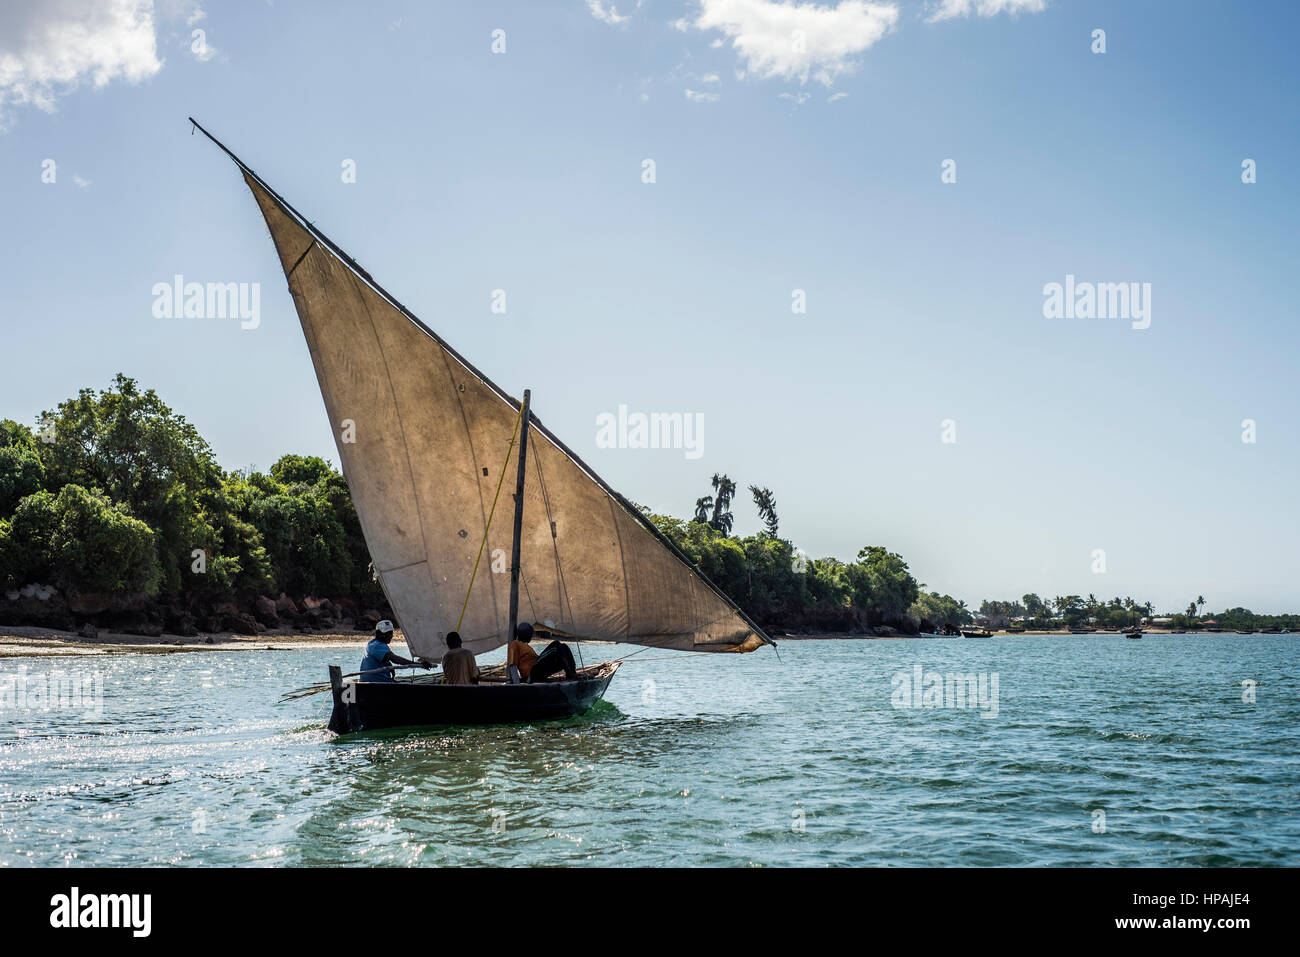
(519, 515)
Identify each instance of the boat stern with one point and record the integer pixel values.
(345, 717)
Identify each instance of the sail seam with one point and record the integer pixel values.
(401, 426)
(298, 261)
(398, 568)
(562, 585)
(473, 454)
(327, 393)
(622, 560)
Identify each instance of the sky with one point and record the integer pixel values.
(915, 175)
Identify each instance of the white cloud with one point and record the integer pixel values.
(835, 96)
(948, 9)
(710, 78)
(605, 16)
(696, 96)
(82, 183)
(48, 48)
(796, 40)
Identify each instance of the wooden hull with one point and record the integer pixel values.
(425, 701)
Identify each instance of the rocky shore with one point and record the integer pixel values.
(25, 641)
(87, 615)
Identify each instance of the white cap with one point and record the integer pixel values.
(385, 626)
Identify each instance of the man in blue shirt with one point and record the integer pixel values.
(378, 663)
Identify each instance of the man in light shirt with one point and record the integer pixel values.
(458, 664)
(378, 663)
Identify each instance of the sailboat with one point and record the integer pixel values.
(426, 442)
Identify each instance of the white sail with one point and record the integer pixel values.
(423, 441)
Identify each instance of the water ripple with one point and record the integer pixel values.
(1097, 755)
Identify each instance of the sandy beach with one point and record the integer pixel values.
(17, 641)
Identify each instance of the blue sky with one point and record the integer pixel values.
(812, 166)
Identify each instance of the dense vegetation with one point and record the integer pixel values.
(118, 503)
(114, 511)
(1032, 613)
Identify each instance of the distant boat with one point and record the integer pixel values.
(977, 634)
(429, 442)
(1134, 634)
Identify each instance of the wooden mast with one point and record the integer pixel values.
(519, 515)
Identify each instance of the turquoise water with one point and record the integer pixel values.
(691, 760)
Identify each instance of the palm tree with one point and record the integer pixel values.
(702, 508)
(723, 489)
(1200, 601)
(765, 502)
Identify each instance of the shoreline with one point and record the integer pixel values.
(1058, 633)
(21, 641)
(25, 641)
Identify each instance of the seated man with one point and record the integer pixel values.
(534, 667)
(458, 664)
(378, 663)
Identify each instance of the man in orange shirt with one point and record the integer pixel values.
(533, 667)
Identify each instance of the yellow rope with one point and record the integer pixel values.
(491, 512)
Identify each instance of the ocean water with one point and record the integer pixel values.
(1096, 751)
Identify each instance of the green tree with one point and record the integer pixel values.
(765, 502)
(301, 470)
(723, 490)
(21, 470)
(1073, 609)
(305, 542)
(128, 445)
(882, 583)
(937, 610)
(1035, 607)
(304, 518)
(77, 539)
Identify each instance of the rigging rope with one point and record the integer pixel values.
(529, 595)
(491, 512)
(555, 547)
